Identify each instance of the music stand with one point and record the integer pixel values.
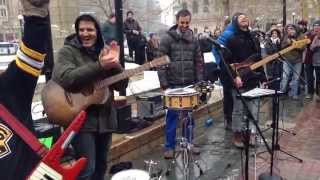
(275, 137)
(219, 48)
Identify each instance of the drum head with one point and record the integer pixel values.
(132, 174)
(180, 91)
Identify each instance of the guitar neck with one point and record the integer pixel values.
(270, 58)
(124, 75)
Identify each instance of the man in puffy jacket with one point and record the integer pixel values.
(185, 68)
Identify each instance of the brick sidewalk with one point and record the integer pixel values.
(305, 145)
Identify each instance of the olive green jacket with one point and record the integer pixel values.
(77, 68)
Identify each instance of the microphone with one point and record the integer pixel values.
(215, 43)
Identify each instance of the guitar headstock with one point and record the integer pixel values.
(300, 43)
(160, 61)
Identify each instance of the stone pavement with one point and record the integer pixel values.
(220, 160)
(305, 145)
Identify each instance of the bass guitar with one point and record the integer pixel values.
(62, 106)
(244, 68)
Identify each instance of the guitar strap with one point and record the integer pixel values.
(24, 133)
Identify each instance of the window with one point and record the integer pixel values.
(184, 5)
(3, 13)
(3, 2)
(195, 7)
(205, 6)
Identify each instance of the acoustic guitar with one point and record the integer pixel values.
(62, 106)
(242, 69)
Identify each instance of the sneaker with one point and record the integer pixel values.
(169, 154)
(308, 96)
(35, 7)
(237, 140)
(195, 150)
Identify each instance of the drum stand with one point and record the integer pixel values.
(185, 145)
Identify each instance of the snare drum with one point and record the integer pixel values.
(181, 98)
(131, 174)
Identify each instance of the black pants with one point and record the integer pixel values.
(309, 69)
(95, 147)
(132, 45)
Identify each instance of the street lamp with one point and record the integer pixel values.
(293, 14)
(20, 18)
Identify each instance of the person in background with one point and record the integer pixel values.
(315, 49)
(309, 69)
(132, 30)
(17, 88)
(82, 61)
(303, 26)
(109, 29)
(274, 68)
(216, 33)
(292, 64)
(186, 68)
(152, 46)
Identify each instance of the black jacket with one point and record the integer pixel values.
(244, 45)
(186, 66)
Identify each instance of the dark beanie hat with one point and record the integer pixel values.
(316, 23)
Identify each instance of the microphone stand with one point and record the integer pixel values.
(219, 48)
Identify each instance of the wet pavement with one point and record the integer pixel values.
(220, 160)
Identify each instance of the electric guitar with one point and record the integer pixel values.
(62, 106)
(49, 166)
(244, 68)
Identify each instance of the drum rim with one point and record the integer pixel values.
(131, 171)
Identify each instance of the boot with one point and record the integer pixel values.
(35, 7)
(169, 154)
(237, 140)
(195, 150)
(228, 124)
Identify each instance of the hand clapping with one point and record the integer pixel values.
(109, 56)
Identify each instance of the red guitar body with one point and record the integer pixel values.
(50, 166)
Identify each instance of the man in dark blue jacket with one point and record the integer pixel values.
(17, 86)
(241, 45)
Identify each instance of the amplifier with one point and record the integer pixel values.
(150, 106)
(124, 118)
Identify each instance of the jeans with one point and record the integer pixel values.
(94, 147)
(239, 113)
(172, 118)
(291, 71)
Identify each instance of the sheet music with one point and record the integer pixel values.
(208, 57)
(258, 92)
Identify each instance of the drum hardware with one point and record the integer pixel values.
(154, 169)
(181, 98)
(185, 148)
(204, 88)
